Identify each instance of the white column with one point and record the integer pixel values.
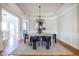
(1, 33)
(21, 28)
(77, 42)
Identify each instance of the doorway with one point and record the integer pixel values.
(10, 28)
(12, 31)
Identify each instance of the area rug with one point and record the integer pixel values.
(25, 50)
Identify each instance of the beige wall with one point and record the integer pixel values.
(67, 26)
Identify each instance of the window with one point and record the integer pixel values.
(26, 25)
(10, 26)
(4, 26)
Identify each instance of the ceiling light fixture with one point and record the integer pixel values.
(40, 22)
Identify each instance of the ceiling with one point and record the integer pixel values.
(47, 9)
(31, 10)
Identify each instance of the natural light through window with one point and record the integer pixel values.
(4, 26)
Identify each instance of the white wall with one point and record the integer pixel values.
(1, 33)
(51, 25)
(32, 26)
(77, 26)
(67, 27)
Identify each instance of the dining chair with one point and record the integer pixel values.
(48, 41)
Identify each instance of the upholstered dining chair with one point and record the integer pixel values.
(48, 41)
(34, 40)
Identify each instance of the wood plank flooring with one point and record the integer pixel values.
(8, 49)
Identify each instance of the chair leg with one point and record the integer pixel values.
(39, 43)
(42, 43)
(24, 40)
(31, 42)
(55, 40)
(47, 45)
(50, 43)
(34, 45)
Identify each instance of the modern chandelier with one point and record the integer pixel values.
(40, 22)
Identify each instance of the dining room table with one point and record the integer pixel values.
(34, 38)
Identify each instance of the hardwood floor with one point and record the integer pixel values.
(74, 50)
(9, 46)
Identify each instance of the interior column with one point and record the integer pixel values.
(1, 33)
